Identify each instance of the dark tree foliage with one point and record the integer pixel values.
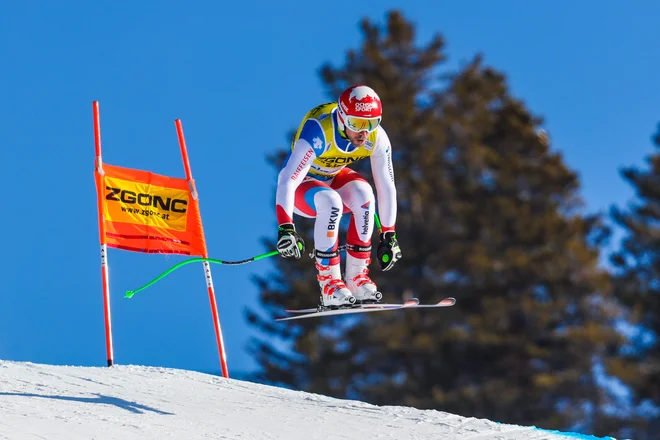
(637, 285)
(488, 214)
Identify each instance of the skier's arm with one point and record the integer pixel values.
(388, 250)
(289, 243)
(309, 146)
(383, 172)
(291, 176)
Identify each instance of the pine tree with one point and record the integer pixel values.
(638, 287)
(487, 214)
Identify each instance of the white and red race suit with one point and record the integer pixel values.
(315, 182)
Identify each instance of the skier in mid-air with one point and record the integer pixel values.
(315, 182)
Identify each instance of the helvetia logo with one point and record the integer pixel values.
(365, 218)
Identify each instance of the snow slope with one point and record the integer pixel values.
(132, 402)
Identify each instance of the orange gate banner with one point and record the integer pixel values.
(149, 213)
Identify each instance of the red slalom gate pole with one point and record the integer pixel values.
(100, 179)
(207, 266)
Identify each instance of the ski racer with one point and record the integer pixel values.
(315, 182)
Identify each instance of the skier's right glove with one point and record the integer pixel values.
(388, 250)
(289, 243)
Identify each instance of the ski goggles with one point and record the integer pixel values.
(356, 123)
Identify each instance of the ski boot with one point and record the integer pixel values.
(358, 282)
(334, 294)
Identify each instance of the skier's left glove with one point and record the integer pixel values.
(289, 243)
(388, 250)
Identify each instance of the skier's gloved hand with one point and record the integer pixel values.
(289, 243)
(388, 250)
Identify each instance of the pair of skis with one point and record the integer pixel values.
(363, 308)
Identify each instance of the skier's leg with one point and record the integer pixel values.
(315, 199)
(358, 197)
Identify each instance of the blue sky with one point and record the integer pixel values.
(240, 75)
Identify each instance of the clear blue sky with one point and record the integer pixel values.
(590, 68)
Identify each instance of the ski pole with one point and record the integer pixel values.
(130, 293)
(378, 225)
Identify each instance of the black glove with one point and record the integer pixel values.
(289, 243)
(388, 250)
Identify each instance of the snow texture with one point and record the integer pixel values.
(134, 402)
